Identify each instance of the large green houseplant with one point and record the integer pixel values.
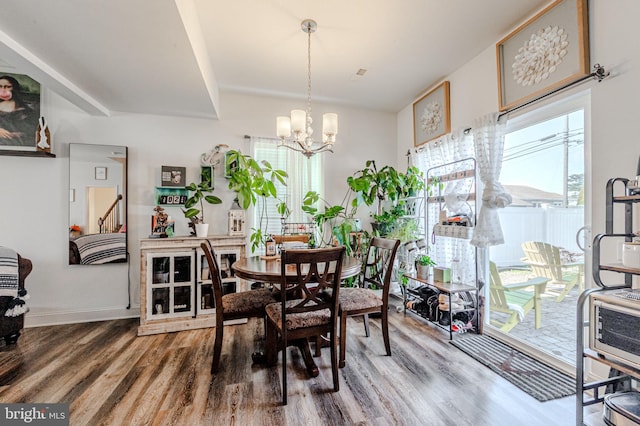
(371, 184)
(387, 187)
(253, 181)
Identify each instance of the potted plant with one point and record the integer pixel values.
(252, 180)
(386, 185)
(413, 182)
(340, 220)
(385, 223)
(424, 265)
(371, 184)
(198, 196)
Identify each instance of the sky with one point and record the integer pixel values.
(534, 156)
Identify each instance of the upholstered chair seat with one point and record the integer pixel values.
(247, 303)
(298, 320)
(352, 299)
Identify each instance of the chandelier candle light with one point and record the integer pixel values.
(299, 124)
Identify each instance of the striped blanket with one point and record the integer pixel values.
(9, 282)
(102, 248)
(8, 272)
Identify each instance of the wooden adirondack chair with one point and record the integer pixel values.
(511, 299)
(545, 261)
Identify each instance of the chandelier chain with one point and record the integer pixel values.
(309, 119)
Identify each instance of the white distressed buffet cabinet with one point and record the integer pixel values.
(176, 292)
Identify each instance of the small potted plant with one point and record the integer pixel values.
(200, 227)
(424, 264)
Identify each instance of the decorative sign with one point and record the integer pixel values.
(173, 176)
(171, 196)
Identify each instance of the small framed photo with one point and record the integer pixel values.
(546, 52)
(431, 114)
(173, 176)
(101, 173)
(229, 165)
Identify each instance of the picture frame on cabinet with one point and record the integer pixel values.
(546, 52)
(432, 114)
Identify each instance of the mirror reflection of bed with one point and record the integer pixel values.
(97, 204)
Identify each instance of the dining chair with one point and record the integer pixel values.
(245, 304)
(377, 267)
(309, 306)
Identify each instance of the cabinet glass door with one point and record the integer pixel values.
(172, 285)
(225, 259)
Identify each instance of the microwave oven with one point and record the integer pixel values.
(615, 325)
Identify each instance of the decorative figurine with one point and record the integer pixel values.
(43, 136)
(214, 157)
(159, 223)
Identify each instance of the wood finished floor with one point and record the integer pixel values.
(112, 377)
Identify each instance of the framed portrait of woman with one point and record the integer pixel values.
(19, 112)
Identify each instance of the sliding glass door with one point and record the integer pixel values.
(539, 271)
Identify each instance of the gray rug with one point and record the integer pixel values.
(535, 378)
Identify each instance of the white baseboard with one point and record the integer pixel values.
(38, 317)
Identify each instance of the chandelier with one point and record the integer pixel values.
(299, 124)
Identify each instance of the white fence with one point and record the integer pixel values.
(557, 226)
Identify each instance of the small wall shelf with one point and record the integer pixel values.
(41, 154)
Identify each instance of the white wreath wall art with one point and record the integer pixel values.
(431, 117)
(540, 55)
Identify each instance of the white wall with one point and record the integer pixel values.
(614, 102)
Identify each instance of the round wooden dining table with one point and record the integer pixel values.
(257, 268)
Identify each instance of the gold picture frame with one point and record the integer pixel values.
(545, 53)
(432, 114)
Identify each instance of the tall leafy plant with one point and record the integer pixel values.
(371, 184)
(253, 181)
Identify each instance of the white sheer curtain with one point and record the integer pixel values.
(448, 149)
(488, 135)
(305, 174)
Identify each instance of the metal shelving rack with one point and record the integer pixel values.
(622, 371)
(454, 171)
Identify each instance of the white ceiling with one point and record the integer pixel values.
(173, 56)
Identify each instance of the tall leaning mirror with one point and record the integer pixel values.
(97, 204)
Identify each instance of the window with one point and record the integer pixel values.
(305, 174)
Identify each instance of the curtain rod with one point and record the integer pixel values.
(598, 73)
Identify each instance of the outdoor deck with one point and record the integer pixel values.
(557, 334)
